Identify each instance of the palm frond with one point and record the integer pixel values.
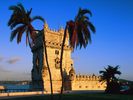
(91, 26)
(109, 74)
(13, 25)
(20, 33)
(10, 20)
(14, 8)
(14, 32)
(85, 11)
(80, 33)
(80, 40)
(85, 17)
(18, 14)
(20, 17)
(29, 12)
(82, 12)
(86, 32)
(101, 72)
(21, 7)
(37, 17)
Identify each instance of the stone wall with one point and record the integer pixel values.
(87, 82)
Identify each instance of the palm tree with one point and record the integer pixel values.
(108, 76)
(20, 23)
(79, 31)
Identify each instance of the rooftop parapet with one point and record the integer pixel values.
(87, 77)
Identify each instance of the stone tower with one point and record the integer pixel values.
(40, 75)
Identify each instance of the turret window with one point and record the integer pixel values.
(57, 52)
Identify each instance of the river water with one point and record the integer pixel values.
(12, 86)
(16, 88)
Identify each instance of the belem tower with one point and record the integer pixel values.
(40, 75)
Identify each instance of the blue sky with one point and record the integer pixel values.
(111, 45)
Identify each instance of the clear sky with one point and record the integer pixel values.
(111, 45)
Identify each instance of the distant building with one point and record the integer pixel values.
(40, 75)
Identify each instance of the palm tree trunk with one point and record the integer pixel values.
(28, 41)
(108, 85)
(61, 59)
(50, 76)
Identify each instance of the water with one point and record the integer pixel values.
(16, 88)
(12, 86)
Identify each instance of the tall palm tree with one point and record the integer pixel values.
(108, 75)
(20, 23)
(79, 31)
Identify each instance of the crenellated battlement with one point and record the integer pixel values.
(87, 78)
(60, 30)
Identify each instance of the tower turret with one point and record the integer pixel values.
(72, 74)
